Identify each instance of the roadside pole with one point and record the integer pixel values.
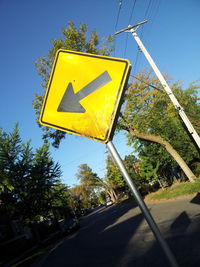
(164, 84)
(116, 157)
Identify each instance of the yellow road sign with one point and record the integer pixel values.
(84, 93)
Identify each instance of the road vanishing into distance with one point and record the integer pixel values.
(118, 236)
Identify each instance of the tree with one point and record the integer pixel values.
(9, 153)
(132, 165)
(45, 174)
(88, 180)
(34, 187)
(76, 40)
(114, 176)
(149, 116)
(77, 194)
(91, 181)
(85, 174)
(113, 173)
(60, 201)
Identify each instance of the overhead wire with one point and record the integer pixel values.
(83, 156)
(142, 35)
(154, 13)
(151, 85)
(116, 23)
(94, 166)
(145, 16)
(129, 21)
(150, 8)
(118, 13)
(88, 154)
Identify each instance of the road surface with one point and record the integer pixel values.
(119, 236)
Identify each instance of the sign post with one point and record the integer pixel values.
(84, 97)
(154, 228)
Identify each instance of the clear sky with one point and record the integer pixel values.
(27, 27)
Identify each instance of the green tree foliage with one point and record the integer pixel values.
(44, 176)
(30, 181)
(85, 175)
(76, 39)
(9, 154)
(60, 201)
(102, 197)
(89, 181)
(149, 116)
(113, 175)
(77, 195)
(132, 165)
(93, 189)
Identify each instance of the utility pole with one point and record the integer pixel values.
(178, 107)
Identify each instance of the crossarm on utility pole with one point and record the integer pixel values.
(131, 27)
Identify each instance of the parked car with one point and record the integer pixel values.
(70, 225)
(108, 203)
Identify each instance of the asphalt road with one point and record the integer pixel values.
(119, 236)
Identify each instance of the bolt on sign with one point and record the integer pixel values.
(84, 94)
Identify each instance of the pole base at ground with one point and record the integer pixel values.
(153, 226)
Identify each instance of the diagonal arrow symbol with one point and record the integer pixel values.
(70, 100)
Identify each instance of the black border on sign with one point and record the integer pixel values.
(117, 105)
(118, 108)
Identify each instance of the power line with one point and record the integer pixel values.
(83, 156)
(129, 21)
(145, 16)
(117, 20)
(154, 13)
(154, 87)
(147, 8)
(142, 33)
(119, 9)
(132, 9)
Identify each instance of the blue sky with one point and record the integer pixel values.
(27, 28)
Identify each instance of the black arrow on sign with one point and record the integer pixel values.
(70, 100)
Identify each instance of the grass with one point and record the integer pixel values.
(29, 259)
(176, 190)
(32, 258)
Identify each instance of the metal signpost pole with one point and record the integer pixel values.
(164, 84)
(142, 204)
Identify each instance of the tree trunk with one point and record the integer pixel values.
(157, 139)
(160, 184)
(115, 195)
(112, 195)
